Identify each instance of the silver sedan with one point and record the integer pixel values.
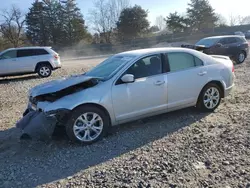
(126, 87)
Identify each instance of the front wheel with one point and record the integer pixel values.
(87, 124)
(210, 98)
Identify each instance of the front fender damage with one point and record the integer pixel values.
(40, 125)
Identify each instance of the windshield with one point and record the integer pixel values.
(207, 42)
(109, 67)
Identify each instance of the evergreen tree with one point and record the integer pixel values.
(36, 21)
(74, 24)
(201, 15)
(53, 22)
(133, 22)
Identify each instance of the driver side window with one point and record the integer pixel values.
(146, 67)
(9, 55)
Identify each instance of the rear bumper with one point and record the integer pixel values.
(58, 67)
(228, 90)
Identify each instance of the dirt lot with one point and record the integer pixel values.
(180, 149)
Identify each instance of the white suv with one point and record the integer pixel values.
(25, 60)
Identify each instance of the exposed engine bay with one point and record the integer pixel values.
(195, 47)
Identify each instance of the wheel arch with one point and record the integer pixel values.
(244, 52)
(218, 83)
(43, 63)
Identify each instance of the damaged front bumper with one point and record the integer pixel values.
(40, 125)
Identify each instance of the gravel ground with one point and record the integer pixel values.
(180, 149)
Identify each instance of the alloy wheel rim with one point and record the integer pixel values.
(211, 98)
(44, 71)
(241, 57)
(88, 126)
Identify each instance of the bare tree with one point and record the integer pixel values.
(160, 22)
(246, 20)
(233, 20)
(222, 21)
(105, 15)
(240, 20)
(115, 8)
(12, 26)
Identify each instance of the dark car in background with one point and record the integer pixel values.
(247, 34)
(236, 47)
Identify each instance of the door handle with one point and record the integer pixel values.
(202, 73)
(159, 82)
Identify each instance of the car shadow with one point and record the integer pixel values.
(45, 162)
(6, 80)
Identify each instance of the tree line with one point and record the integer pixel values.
(60, 23)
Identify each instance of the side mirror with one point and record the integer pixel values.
(218, 45)
(128, 78)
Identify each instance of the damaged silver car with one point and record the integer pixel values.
(126, 87)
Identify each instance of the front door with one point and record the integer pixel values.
(147, 94)
(186, 78)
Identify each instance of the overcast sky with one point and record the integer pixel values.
(156, 7)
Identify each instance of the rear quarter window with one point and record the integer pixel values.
(241, 39)
(40, 52)
(198, 62)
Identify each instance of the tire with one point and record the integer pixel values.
(204, 96)
(44, 70)
(83, 131)
(240, 58)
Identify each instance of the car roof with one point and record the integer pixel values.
(155, 50)
(32, 47)
(221, 36)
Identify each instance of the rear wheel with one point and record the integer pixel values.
(87, 124)
(210, 98)
(44, 70)
(241, 57)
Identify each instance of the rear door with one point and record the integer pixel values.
(8, 62)
(186, 77)
(233, 46)
(27, 60)
(224, 48)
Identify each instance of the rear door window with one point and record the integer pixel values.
(232, 40)
(9, 55)
(25, 53)
(181, 61)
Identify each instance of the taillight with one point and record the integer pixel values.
(56, 56)
(233, 68)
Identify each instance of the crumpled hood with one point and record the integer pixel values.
(195, 47)
(57, 85)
